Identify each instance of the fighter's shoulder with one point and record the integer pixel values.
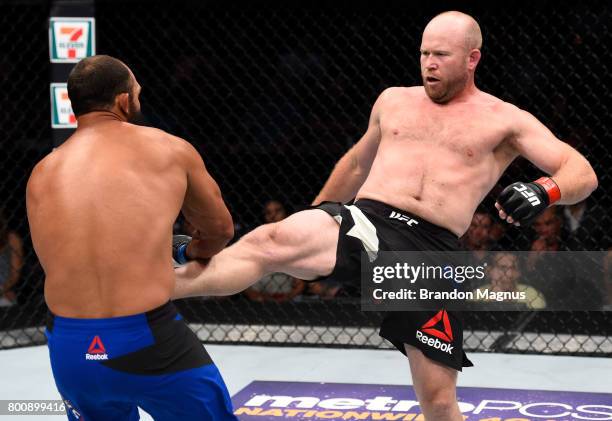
(48, 161)
(39, 173)
(517, 118)
(394, 92)
(501, 107)
(396, 95)
(170, 143)
(184, 149)
(151, 133)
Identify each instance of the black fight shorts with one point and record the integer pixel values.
(438, 334)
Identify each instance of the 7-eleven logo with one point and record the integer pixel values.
(96, 350)
(73, 34)
(71, 39)
(445, 333)
(62, 116)
(66, 100)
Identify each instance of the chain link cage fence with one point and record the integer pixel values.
(272, 96)
(25, 138)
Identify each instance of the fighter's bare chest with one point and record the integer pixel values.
(461, 130)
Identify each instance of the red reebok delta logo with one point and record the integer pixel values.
(96, 350)
(96, 346)
(429, 328)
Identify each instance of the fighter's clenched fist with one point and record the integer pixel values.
(520, 203)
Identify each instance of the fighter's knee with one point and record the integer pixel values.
(266, 243)
(260, 237)
(269, 235)
(295, 244)
(439, 406)
(274, 233)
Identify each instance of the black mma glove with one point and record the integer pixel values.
(179, 249)
(525, 201)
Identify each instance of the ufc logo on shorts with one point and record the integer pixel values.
(528, 194)
(69, 406)
(409, 221)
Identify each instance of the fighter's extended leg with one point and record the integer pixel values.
(302, 245)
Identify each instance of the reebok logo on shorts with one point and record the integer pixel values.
(409, 221)
(445, 336)
(96, 350)
(71, 408)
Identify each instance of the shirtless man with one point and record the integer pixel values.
(101, 209)
(429, 156)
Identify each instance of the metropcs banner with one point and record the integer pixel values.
(335, 401)
(71, 39)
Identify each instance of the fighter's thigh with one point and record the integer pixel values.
(305, 244)
(432, 380)
(195, 394)
(98, 410)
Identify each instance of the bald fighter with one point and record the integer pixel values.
(430, 155)
(101, 209)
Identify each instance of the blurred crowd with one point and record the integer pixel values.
(11, 262)
(555, 264)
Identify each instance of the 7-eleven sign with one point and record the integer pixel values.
(62, 116)
(71, 39)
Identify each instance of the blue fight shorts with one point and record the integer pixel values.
(105, 369)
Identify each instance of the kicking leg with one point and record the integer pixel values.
(302, 245)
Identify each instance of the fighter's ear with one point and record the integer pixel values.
(122, 102)
(473, 58)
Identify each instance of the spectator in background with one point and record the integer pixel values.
(479, 241)
(505, 275)
(324, 290)
(11, 262)
(548, 231)
(478, 236)
(277, 287)
(582, 227)
(607, 302)
(497, 232)
(274, 211)
(572, 284)
(547, 227)
(574, 216)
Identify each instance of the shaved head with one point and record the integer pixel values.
(450, 52)
(96, 83)
(459, 24)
